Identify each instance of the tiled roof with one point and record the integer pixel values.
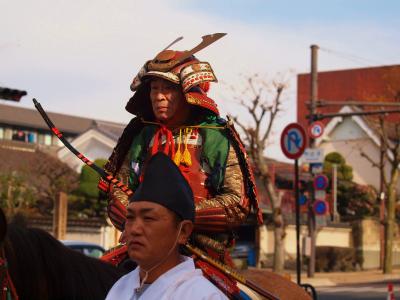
(19, 116)
(110, 129)
(370, 84)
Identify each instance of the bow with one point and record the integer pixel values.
(104, 175)
(111, 179)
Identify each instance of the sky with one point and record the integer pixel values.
(79, 57)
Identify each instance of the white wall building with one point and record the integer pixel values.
(352, 136)
(96, 142)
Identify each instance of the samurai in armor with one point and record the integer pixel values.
(174, 115)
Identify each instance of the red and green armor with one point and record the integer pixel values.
(207, 149)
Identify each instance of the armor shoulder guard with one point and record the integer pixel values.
(116, 159)
(249, 181)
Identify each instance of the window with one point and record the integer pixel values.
(8, 134)
(31, 137)
(41, 138)
(47, 139)
(19, 135)
(1, 133)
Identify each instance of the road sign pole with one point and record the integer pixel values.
(297, 196)
(293, 143)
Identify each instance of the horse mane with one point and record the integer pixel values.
(41, 267)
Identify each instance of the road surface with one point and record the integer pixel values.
(367, 291)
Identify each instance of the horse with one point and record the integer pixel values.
(41, 267)
(282, 288)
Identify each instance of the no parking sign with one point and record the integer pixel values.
(320, 207)
(321, 182)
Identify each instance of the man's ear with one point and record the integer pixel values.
(186, 231)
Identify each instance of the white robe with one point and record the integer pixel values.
(181, 282)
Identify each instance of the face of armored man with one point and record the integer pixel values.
(168, 102)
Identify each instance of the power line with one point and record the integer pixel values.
(351, 57)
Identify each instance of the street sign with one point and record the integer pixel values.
(316, 129)
(303, 202)
(320, 207)
(320, 194)
(320, 182)
(293, 141)
(302, 199)
(321, 221)
(316, 168)
(313, 155)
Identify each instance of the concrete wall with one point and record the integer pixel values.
(369, 231)
(327, 236)
(363, 236)
(105, 236)
(336, 237)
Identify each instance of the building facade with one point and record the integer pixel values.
(365, 84)
(94, 138)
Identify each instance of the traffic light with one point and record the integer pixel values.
(10, 94)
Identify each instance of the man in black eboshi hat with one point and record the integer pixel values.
(160, 218)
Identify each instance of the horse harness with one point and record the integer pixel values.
(8, 291)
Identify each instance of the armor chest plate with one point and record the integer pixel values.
(197, 172)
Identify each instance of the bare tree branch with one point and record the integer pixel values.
(263, 114)
(273, 113)
(243, 127)
(372, 162)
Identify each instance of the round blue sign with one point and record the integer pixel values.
(320, 207)
(320, 182)
(302, 200)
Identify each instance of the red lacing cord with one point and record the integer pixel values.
(169, 148)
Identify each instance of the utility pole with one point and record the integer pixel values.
(386, 207)
(313, 100)
(313, 86)
(334, 193)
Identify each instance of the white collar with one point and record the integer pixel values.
(186, 265)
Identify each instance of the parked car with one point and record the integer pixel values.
(245, 251)
(89, 249)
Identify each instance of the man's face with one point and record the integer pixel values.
(151, 231)
(168, 101)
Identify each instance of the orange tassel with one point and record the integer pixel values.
(186, 158)
(178, 153)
